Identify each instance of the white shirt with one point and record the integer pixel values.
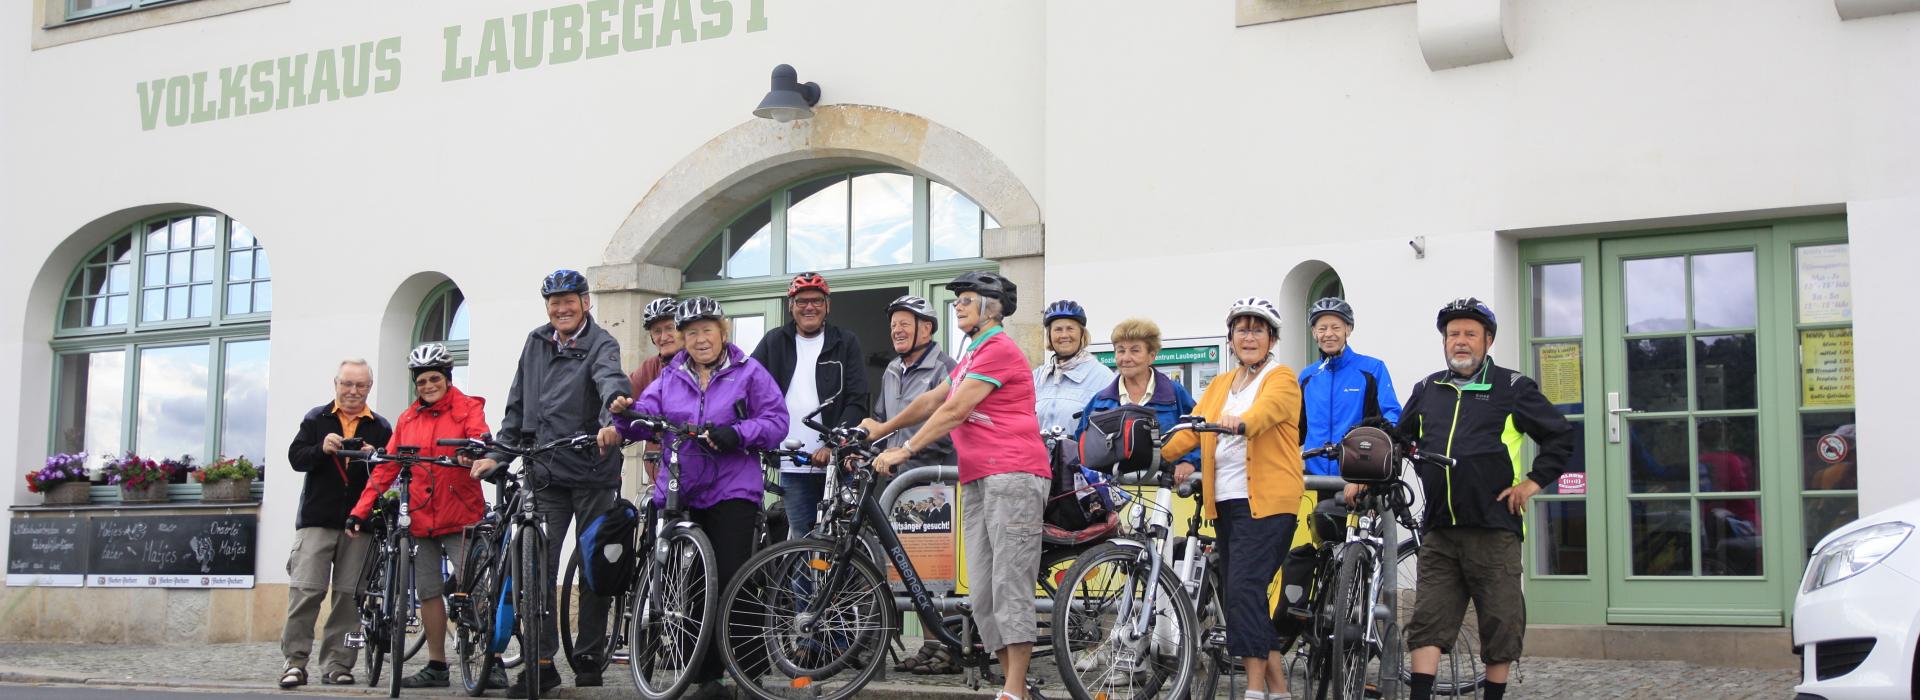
(803, 397)
(1230, 451)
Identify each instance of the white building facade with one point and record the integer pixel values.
(1694, 220)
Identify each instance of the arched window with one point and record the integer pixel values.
(444, 319)
(1326, 285)
(161, 345)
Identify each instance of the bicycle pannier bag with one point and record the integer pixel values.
(1119, 439)
(606, 549)
(1368, 456)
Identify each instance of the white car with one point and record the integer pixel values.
(1857, 616)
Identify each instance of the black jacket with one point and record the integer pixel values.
(776, 353)
(333, 484)
(1480, 426)
(562, 392)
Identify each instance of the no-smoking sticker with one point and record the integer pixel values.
(1833, 448)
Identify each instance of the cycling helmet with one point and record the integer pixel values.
(563, 282)
(1255, 306)
(916, 306)
(431, 357)
(1467, 308)
(695, 309)
(988, 284)
(662, 309)
(1330, 305)
(805, 281)
(1064, 308)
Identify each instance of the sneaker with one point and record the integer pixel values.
(711, 690)
(586, 671)
(496, 678)
(549, 679)
(427, 677)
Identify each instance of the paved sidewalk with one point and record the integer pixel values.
(255, 666)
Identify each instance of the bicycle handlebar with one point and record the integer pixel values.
(1186, 487)
(376, 455)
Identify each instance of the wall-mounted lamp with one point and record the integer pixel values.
(789, 99)
(1419, 245)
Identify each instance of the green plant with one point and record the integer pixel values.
(224, 469)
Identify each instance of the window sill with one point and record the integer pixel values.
(50, 30)
(246, 506)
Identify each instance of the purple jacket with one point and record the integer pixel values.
(707, 478)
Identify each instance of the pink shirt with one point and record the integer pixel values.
(1002, 435)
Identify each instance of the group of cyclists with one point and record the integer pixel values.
(982, 409)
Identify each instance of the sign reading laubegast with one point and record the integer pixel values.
(564, 34)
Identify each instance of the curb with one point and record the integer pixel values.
(880, 690)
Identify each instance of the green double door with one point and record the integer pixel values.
(1682, 357)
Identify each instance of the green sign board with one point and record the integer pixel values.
(1173, 356)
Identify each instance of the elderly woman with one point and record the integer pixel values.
(1135, 343)
(713, 383)
(987, 404)
(1067, 380)
(1251, 483)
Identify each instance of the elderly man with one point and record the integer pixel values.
(323, 556)
(814, 362)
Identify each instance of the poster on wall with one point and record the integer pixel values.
(47, 552)
(923, 517)
(1826, 284)
(1826, 367)
(172, 551)
(1560, 373)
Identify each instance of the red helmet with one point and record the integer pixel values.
(805, 281)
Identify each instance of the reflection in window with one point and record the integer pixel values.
(1658, 456)
(955, 224)
(1828, 452)
(750, 243)
(865, 219)
(817, 226)
(171, 402)
(1724, 371)
(1557, 300)
(243, 429)
(1656, 291)
(747, 331)
(1562, 549)
(1730, 542)
(249, 290)
(1657, 374)
(1723, 291)
(444, 319)
(1662, 537)
(882, 219)
(92, 404)
(99, 295)
(1729, 455)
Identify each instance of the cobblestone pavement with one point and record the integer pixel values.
(257, 665)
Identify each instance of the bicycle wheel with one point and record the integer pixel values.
(372, 604)
(1216, 671)
(1351, 617)
(573, 592)
(530, 602)
(400, 608)
(1461, 669)
(1108, 645)
(474, 640)
(669, 627)
(785, 633)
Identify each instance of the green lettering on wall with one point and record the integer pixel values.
(529, 39)
(567, 41)
(177, 89)
(456, 67)
(293, 77)
(326, 77)
(721, 22)
(151, 95)
(386, 59)
(205, 106)
(636, 31)
(676, 20)
(756, 16)
(357, 70)
(233, 97)
(260, 82)
(493, 48)
(600, 39)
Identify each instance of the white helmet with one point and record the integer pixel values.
(661, 309)
(914, 305)
(1255, 306)
(431, 356)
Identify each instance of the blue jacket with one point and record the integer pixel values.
(1058, 396)
(1169, 402)
(1337, 393)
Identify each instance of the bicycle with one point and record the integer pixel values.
(1356, 613)
(389, 609)
(505, 549)
(1137, 613)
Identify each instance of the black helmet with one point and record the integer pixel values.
(1064, 308)
(563, 282)
(661, 309)
(695, 309)
(988, 284)
(1468, 308)
(1330, 305)
(916, 306)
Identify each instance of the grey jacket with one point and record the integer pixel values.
(561, 392)
(899, 386)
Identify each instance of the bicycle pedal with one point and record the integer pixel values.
(356, 640)
(620, 658)
(413, 628)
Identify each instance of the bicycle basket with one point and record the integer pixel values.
(606, 549)
(1368, 456)
(1119, 439)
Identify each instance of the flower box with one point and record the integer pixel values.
(150, 492)
(226, 491)
(70, 493)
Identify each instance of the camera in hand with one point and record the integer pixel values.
(353, 443)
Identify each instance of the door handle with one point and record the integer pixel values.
(1614, 411)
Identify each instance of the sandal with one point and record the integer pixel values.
(939, 662)
(336, 678)
(293, 678)
(919, 660)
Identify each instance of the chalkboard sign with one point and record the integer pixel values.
(47, 551)
(173, 551)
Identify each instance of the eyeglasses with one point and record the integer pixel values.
(353, 386)
(1255, 332)
(431, 379)
(964, 301)
(809, 302)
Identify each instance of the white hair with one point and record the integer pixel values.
(991, 308)
(361, 362)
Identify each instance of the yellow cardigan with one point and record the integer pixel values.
(1274, 469)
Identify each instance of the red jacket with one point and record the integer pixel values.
(443, 499)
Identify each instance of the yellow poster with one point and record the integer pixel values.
(1826, 284)
(1560, 373)
(1826, 367)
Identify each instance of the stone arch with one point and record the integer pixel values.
(1295, 288)
(392, 388)
(749, 161)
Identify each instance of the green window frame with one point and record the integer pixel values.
(221, 271)
(444, 318)
(97, 8)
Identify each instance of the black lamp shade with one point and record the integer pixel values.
(789, 99)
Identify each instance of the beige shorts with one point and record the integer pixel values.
(1000, 519)
(427, 577)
